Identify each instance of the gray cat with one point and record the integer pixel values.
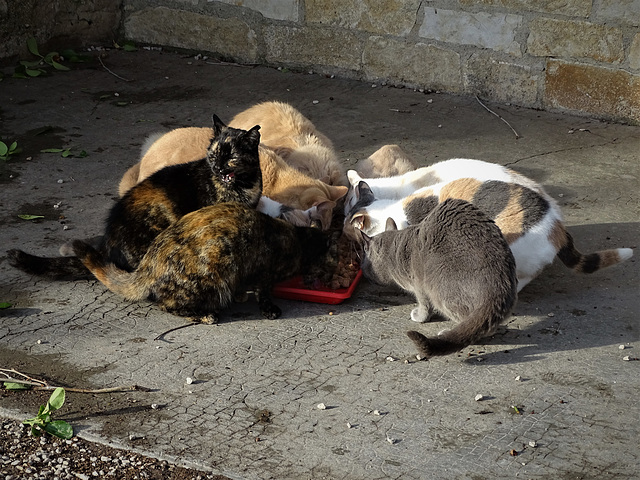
(457, 263)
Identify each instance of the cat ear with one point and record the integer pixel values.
(337, 191)
(253, 134)
(363, 190)
(359, 221)
(284, 152)
(354, 177)
(218, 125)
(390, 225)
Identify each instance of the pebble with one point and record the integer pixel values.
(533, 444)
(321, 406)
(189, 380)
(621, 347)
(518, 378)
(479, 397)
(315, 102)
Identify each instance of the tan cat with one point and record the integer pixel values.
(387, 161)
(281, 182)
(296, 139)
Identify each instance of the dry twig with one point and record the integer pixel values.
(11, 376)
(494, 113)
(112, 73)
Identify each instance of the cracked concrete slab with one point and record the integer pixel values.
(252, 410)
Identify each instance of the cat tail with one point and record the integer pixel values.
(462, 335)
(118, 281)
(57, 268)
(591, 262)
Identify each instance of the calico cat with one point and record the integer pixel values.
(528, 217)
(296, 139)
(400, 186)
(230, 171)
(455, 262)
(387, 161)
(195, 267)
(281, 182)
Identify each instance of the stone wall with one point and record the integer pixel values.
(575, 55)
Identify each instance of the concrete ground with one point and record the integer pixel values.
(251, 411)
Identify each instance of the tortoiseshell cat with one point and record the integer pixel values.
(229, 172)
(455, 262)
(199, 264)
(528, 217)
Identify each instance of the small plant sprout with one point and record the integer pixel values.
(35, 68)
(42, 422)
(6, 150)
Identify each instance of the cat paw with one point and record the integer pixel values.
(270, 311)
(419, 315)
(210, 319)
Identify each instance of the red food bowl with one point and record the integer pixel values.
(295, 289)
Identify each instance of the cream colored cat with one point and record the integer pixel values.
(387, 161)
(281, 182)
(296, 139)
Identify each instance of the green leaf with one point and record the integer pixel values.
(12, 147)
(30, 63)
(59, 66)
(36, 431)
(30, 217)
(52, 150)
(82, 154)
(17, 74)
(33, 73)
(3, 149)
(59, 428)
(16, 386)
(66, 153)
(5, 305)
(129, 47)
(57, 398)
(33, 46)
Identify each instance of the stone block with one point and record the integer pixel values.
(591, 89)
(312, 46)
(423, 65)
(496, 31)
(275, 9)
(623, 11)
(391, 17)
(549, 37)
(634, 52)
(574, 8)
(178, 28)
(503, 81)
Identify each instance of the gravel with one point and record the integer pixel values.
(25, 457)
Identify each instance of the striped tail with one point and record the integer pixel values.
(591, 262)
(57, 268)
(118, 281)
